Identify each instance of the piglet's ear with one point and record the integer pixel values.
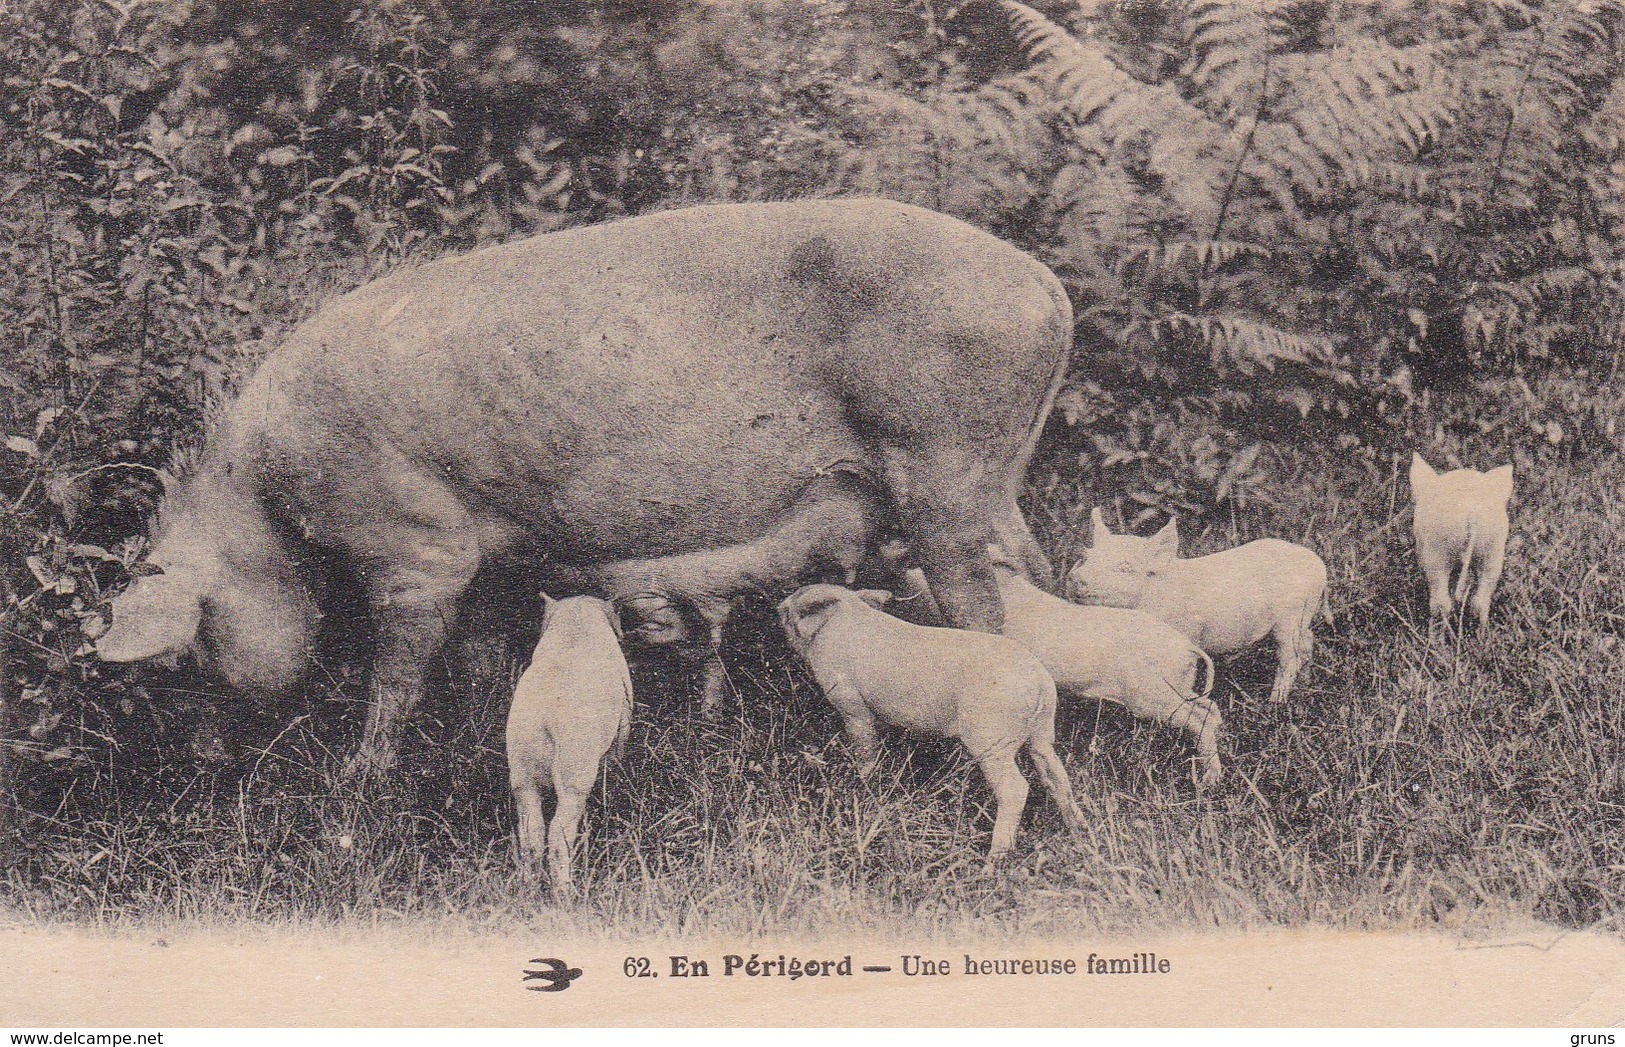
(1098, 518)
(1422, 474)
(1165, 543)
(614, 616)
(876, 598)
(1502, 479)
(800, 614)
(815, 604)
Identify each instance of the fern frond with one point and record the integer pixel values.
(1230, 44)
(1358, 108)
(1096, 204)
(958, 152)
(1084, 78)
(1149, 124)
(1539, 289)
(1539, 78)
(1183, 257)
(1244, 343)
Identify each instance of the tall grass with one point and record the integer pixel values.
(1406, 783)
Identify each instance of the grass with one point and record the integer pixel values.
(1407, 783)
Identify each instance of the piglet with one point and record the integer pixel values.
(987, 691)
(1461, 519)
(1224, 603)
(1107, 654)
(572, 706)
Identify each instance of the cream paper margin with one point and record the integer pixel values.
(406, 977)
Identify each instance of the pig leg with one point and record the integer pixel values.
(1489, 568)
(1010, 795)
(961, 580)
(412, 606)
(532, 834)
(1294, 643)
(1160, 701)
(1464, 580)
(859, 723)
(715, 686)
(865, 742)
(945, 512)
(1200, 718)
(1017, 540)
(1436, 568)
(1052, 772)
(561, 838)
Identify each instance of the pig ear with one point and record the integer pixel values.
(894, 553)
(1098, 518)
(876, 598)
(1422, 473)
(1502, 479)
(999, 557)
(610, 611)
(812, 605)
(1165, 543)
(159, 614)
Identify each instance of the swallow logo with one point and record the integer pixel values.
(558, 975)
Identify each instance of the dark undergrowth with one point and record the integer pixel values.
(1407, 783)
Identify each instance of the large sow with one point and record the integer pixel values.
(647, 387)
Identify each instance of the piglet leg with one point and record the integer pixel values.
(861, 733)
(715, 686)
(561, 841)
(1436, 568)
(1489, 567)
(1052, 772)
(1010, 791)
(532, 834)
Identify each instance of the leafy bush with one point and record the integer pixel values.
(1286, 216)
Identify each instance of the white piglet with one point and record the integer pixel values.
(1460, 521)
(988, 692)
(1106, 654)
(1224, 603)
(572, 706)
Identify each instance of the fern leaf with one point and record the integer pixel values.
(1245, 343)
(1088, 79)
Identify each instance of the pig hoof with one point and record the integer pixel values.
(366, 767)
(209, 750)
(712, 698)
